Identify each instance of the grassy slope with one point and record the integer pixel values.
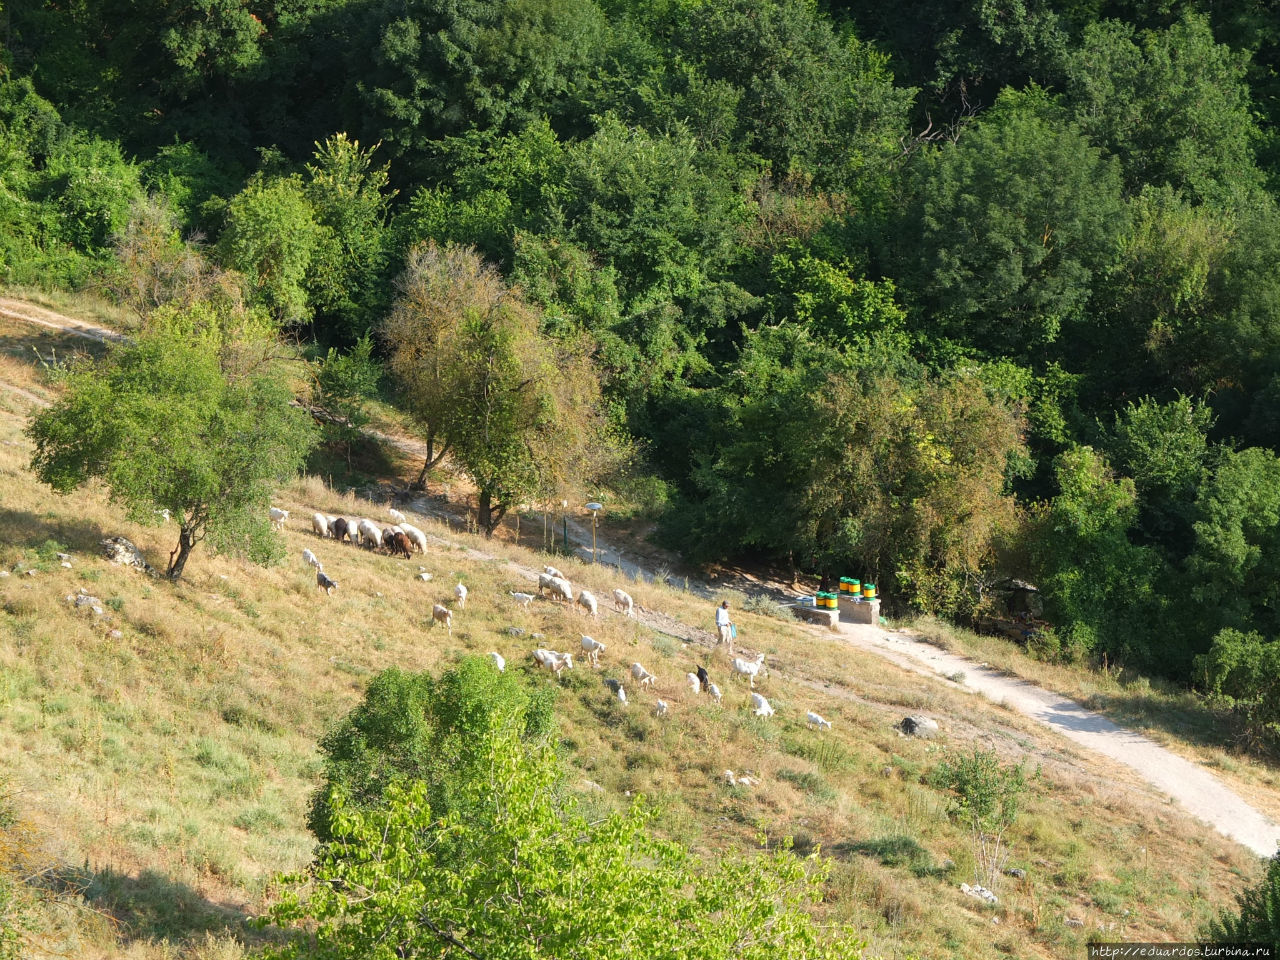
(165, 772)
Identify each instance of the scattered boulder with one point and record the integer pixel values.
(86, 600)
(64, 557)
(66, 564)
(115, 635)
(980, 893)
(1017, 873)
(1075, 922)
(424, 577)
(922, 727)
(121, 550)
(515, 631)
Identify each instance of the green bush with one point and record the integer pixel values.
(412, 726)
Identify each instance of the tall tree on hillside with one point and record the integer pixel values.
(186, 419)
(1172, 105)
(521, 412)
(1014, 222)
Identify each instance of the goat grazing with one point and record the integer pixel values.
(553, 661)
(592, 648)
(715, 692)
(553, 572)
(395, 515)
(761, 706)
(660, 708)
(311, 558)
(324, 583)
(695, 685)
(320, 524)
(498, 661)
(703, 677)
(370, 535)
(416, 536)
(622, 600)
(524, 599)
(588, 602)
(460, 591)
(814, 720)
(278, 517)
(748, 668)
(641, 675)
(441, 614)
(340, 528)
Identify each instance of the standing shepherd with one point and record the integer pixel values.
(724, 625)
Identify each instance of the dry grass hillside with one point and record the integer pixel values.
(158, 758)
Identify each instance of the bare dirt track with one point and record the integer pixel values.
(1197, 790)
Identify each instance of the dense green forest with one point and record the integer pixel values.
(937, 293)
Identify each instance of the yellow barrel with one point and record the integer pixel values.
(868, 591)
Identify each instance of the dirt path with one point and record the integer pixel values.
(1197, 790)
(1201, 793)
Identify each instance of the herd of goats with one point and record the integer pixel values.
(403, 539)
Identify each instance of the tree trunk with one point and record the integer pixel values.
(178, 558)
(489, 514)
(433, 457)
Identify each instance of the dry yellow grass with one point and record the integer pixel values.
(166, 771)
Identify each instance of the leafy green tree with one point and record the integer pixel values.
(345, 382)
(349, 198)
(504, 866)
(830, 459)
(424, 70)
(413, 726)
(805, 98)
(1165, 449)
(1234, 566)
(271, 237)
(1242, 671)
(1172, 105)
(1102, 592)
(1015, 221)
(176, 420)
(835, 304)
(521, 412)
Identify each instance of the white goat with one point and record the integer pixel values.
(715, 692)
(311, 558)
(695, 684)
(442, 614)
(498, 661)
(587, 600)
(761, 706)
(460, 591)
(660, 708)
(740, 781)
(553, 572)
(553, 661)
(524, 599)
(641, 675)
(395, 515)
(592, 648)
(416, 536)
(320, 524)
(748, 668)
(814, 720)
(622, 600)
(369, 533)
(560, 589)
(622, 695)
(278, 517)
